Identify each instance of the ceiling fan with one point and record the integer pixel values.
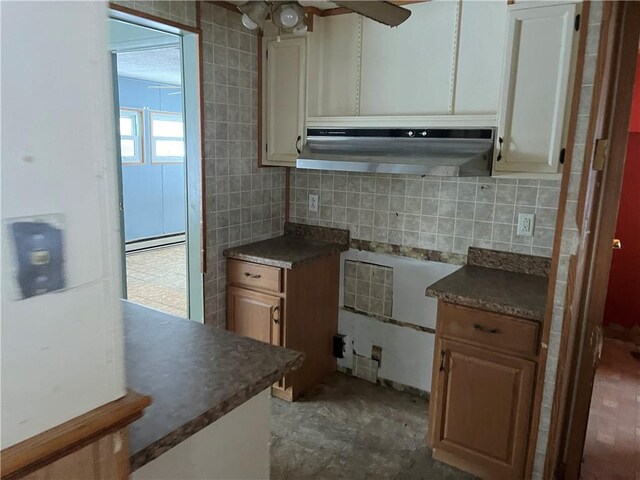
(290, 16)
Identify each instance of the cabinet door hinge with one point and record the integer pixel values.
(576, 23)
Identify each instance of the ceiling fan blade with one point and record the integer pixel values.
(384, 12)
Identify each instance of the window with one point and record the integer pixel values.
(131, 150)
(167, 137)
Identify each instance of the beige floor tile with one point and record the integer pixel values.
(157, 278)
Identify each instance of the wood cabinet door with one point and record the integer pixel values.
(482, 410)
(284, 97)
(254, 315)
(536, 81)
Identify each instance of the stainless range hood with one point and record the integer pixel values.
(447, 152)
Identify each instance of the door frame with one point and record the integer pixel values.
(597, 215)
(193, 111)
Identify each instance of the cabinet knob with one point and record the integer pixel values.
(411, 133)
(275, 309)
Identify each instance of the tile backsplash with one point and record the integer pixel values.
(437, 213)
(368, 288)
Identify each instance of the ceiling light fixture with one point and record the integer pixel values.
(248, 23)
(255, 13)
(287, 15)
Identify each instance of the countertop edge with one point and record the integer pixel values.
(494, 307)
(157, 448)
(228, 253)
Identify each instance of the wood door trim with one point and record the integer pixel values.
(154, 18)
(555, 260)
(588, 296)
(51, 445)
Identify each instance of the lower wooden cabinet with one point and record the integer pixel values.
(295, 308)
(481, 396)
(254, 315)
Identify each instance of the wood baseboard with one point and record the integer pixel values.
(51, 445)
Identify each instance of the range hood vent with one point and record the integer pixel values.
(447, 152)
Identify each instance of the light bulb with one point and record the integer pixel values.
(247, 22)
(300, 30)
(289, 17)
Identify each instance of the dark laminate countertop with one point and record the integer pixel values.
(300, 243)
(194, 374)
(498, 282)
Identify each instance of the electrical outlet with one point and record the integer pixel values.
(313, 203)
(526, 224)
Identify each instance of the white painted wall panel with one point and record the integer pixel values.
(407, 354)
(61, 352)
(480, 53)
(234, 447)
(407, 70)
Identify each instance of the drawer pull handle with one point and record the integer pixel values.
(442, 360)
(252, 275)
(274, 309)
(483, 329)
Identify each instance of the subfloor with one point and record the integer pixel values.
(157, 278)
(352, 429)
(612, 445)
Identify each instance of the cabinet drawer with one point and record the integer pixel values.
(489, 329)
(253, 275)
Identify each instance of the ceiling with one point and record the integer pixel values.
(144, 53)
(160, 65)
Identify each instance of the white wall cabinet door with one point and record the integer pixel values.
(284, 100)
(408, 70)
(537, 76)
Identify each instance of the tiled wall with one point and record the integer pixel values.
(570, 234)
(368, 288)
(445, 214)
(178, 11)
(243, 202)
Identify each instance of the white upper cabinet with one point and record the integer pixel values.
(537, 76)
(478, 71)
(284, 98)
(408, 70)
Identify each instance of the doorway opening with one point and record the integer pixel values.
(156, 96)
(612, 441)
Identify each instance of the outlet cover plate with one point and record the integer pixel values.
(313, 203)
(526, 224)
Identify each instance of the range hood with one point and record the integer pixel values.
(447, 152)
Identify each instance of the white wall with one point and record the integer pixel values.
(407, 354)
(61, 352)
(235, 446)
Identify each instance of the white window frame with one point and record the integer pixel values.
(138, 138)
(161, 115)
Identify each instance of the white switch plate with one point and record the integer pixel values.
(526, 224)
(313, 203)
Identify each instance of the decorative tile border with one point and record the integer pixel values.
(512, 262)
(315, 232)
(392, 321)
(410, 252)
